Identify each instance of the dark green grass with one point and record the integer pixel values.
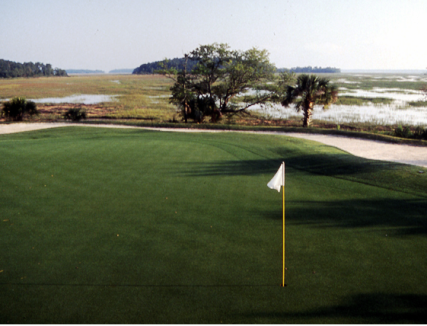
(418, 104)
(352, 100)
(129, 226)
(369, 82)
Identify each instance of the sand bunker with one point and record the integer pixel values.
(370, 149)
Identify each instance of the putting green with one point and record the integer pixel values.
(131, 226)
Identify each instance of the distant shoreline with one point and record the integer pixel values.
(99, 73)
(384, 71)
(123, 71)
(343, 71)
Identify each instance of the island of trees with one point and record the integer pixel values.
(11, 69)
(311, 70)
(177, 63)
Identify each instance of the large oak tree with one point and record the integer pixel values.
(221, 75)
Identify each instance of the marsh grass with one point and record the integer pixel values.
(134, 100)
(146, 97)
(351, 100)
(369, 81)
(418, 104)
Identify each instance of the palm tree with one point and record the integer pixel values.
(309, 91)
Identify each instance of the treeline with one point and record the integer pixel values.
(177, 63)
(11, 69)
(310, 69)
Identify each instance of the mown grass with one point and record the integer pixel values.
(129, 226)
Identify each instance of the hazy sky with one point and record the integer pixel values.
(106, 35)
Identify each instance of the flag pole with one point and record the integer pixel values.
(283, 226)
(276, 183)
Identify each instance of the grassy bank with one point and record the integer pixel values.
(132, 226)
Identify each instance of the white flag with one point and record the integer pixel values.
(278, 179)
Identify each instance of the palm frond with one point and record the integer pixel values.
(290, 96)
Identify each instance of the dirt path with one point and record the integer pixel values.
(370, 149)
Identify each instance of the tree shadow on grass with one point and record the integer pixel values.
(231, 168)
(329, 165)
(361, 308)
(399, 217)
(387, 175)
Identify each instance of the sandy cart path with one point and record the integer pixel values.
(370, 149)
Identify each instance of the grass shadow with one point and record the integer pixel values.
(315, 163)
(388, 175)
(399, 217)
(377, 308)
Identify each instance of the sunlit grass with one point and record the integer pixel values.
(140, 227)
(138, 96)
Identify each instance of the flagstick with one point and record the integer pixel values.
(283, 236)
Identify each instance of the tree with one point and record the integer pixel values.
(17, 108)
(181, 90)
(47, 70)
(309, 91)
(10, 69)
(223, 74)
(218, 77)
(177, 63)
(59, 72)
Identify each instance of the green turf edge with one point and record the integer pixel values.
(210, 126)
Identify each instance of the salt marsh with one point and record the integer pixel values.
(78, 99)
(363, 86)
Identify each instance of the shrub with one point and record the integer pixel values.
(403, 132)
(398, 131)
(420, 133)
(17, 108)
(75, 114)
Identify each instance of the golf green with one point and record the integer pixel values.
(105, 225)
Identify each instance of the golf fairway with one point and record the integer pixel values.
(133, 226)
